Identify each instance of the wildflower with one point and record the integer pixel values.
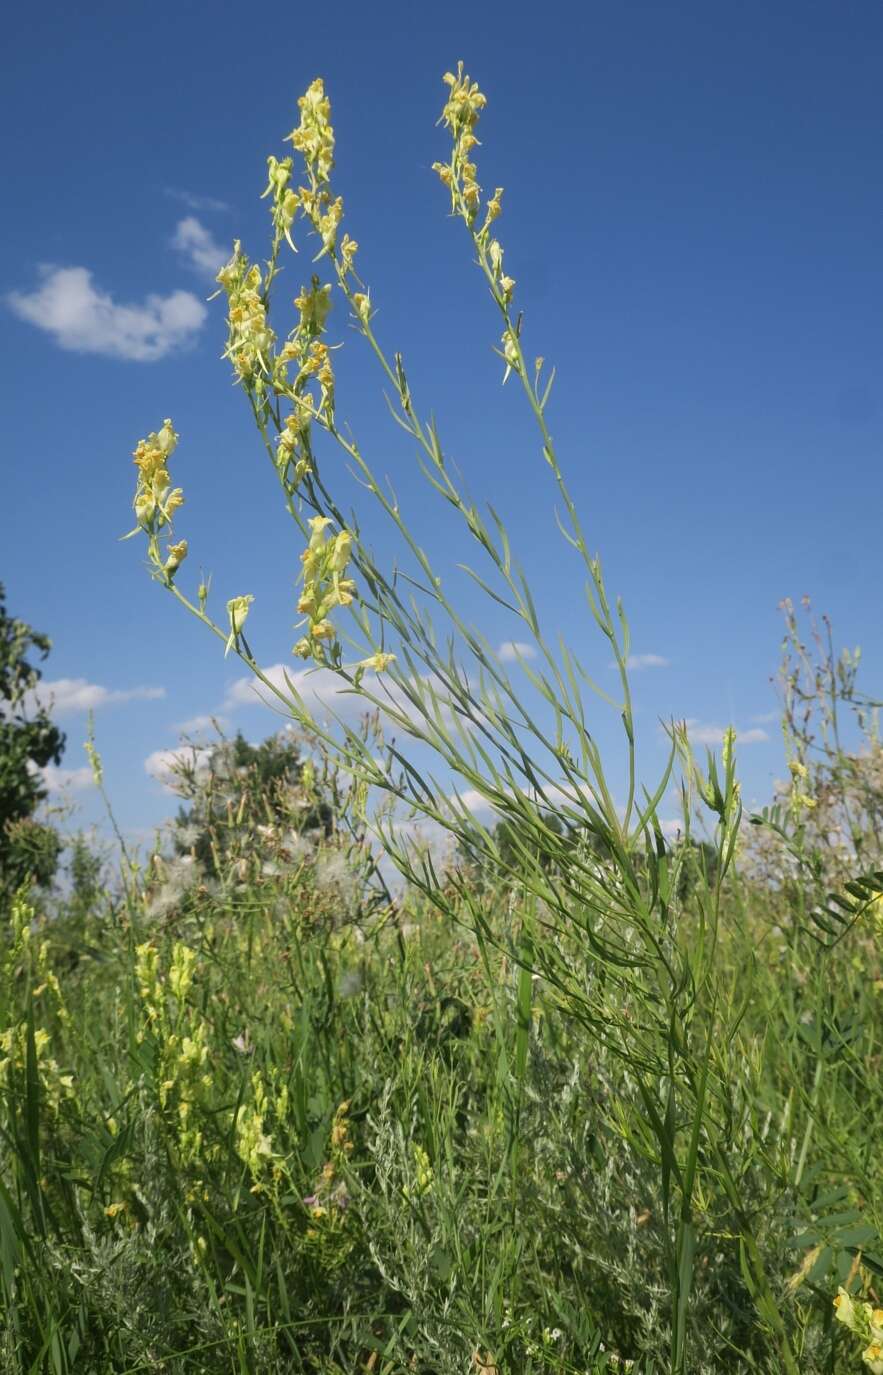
(340, 554)
(362, 306)
(253, 1145)
(322, 630)
(510, 353)
(303, 649)
(114, 1209)
(314, 136)
(237, 610)
(494, 208)
(278, 175)
(378, 662)
(181, 969)
(348, 250)
(177, 553)
(873, 1357)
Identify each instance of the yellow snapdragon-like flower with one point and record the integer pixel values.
(314, 304)
(177, 553)
(378, 662)
(237, 611)
(866, 1323)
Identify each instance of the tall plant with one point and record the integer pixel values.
(603, 916)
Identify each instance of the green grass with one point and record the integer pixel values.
(446, 1170)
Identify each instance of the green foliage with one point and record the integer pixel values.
(232, 784)
(257, 1132)
(29, 740)
(604, 1128)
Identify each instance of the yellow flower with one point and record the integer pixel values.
(378, 662)
(873, 1358)
(318, 525)
(362, 306)
(341, 552)
(174, 499)
(237, 610)
(114, 1209)
(322, 630)
(348, 250)
(303, 649)
(177, 553)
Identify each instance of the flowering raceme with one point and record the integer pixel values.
(324, 563)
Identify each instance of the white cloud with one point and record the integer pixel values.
(471, 800)
(66, 780)
(62, 696)
(80, 317)
(197, 724)
(164, 765)
(194, 202)
(510, 651)
(702, 733)
(766, 718)
(199, 246)
(325, 695)
(639, 661)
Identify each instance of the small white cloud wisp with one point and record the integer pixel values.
(65, 696)
(199, 247)
(510, 651)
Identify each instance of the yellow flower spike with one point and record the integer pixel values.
(237, 611)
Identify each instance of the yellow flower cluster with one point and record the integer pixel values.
(866, 1322)
(305, 348)
(424, 1175)
(181, 1040)
(285, 201)
(800, 801)
(14, 1051)
(254, 1145)
(460, 115)
(314, 136)
(250, 339)
(325, 561)
(156, 500)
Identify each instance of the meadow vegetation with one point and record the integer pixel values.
(576, 1091)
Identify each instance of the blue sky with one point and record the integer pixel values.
(693, 214)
